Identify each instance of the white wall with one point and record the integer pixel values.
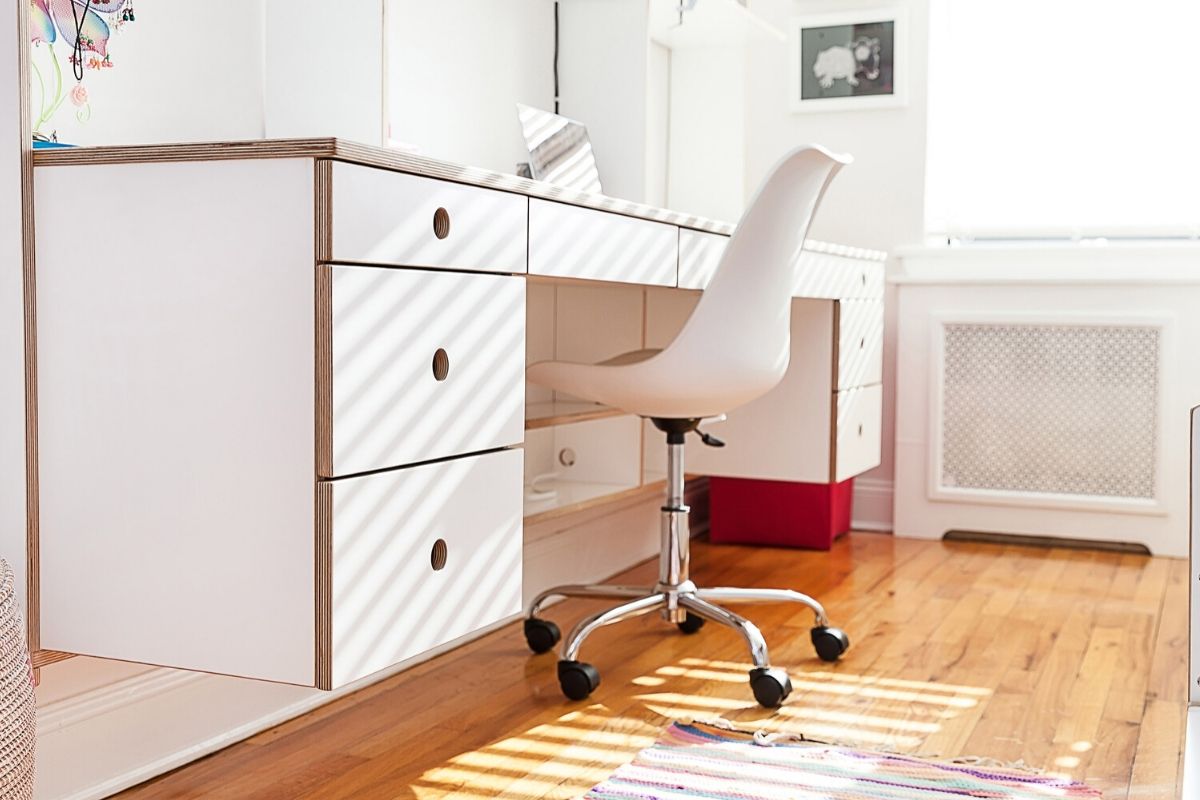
(709, 126)
(457, 69)
(323, 69)
(231, 69)
(12, 347)
(604, 66)
(877, 202)
(658, 125)
(182, 72)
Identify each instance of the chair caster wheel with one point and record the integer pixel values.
(770, 685)
(691, 623)
(577, 679)
(830, 642)
(541, 635)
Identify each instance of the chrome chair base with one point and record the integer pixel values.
(679, 601)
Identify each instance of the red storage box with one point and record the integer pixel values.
(781, 513)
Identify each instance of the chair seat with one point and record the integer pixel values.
(641, 382)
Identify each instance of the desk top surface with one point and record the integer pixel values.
(399, 161)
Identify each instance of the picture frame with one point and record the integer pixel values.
(848, 60)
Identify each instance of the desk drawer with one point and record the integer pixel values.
(837, 277)
(423, 365)
(860, 343)
(572, 242)
(818, 275)
(395, 591)
(858, 435)
(699, 255)
(384, 217)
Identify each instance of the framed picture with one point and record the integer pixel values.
(848, 60)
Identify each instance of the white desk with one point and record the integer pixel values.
(282, 409)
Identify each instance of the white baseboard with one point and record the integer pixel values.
(95, 741)
(110, 738)
(872, 505)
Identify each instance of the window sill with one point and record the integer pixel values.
(1130, 263)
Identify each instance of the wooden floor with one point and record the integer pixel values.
(1071, 661)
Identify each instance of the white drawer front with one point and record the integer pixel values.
(860, 343)
(385, 217)
(818, 275)
(837, 277)
(859, 431)
(699, 255)
(572, 242)
(391, 403)
(388, 601)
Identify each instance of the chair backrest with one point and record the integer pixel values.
(740, 330)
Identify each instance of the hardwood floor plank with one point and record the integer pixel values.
(1073, 661)
(1157, 759)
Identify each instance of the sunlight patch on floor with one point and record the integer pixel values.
(567, 756)
(881, 693)
(583, 748)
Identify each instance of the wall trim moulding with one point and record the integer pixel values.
(78, 709)
(872, 509)
(1118, 263)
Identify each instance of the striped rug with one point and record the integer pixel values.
(704, 762)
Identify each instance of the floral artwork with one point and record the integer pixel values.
(80, 30)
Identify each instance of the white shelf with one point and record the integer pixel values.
(572, 493)
(712, 23)
(547, 415)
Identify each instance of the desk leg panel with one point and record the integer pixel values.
(176, 427)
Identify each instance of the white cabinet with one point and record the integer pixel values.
(422, 556)
(859, 343)
(425, 365)
(837, 277)
(572, 242)
(193, 388)
(823, 422)
(857, 440)
(699, 255)
(384, 217)
(1041, 392)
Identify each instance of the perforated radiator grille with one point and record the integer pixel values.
(1050, 409)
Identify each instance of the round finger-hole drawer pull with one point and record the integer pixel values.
(437, 556)
(441, 365)
(441, 223)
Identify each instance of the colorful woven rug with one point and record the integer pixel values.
(704, 762)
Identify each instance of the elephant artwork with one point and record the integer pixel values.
(846, 62)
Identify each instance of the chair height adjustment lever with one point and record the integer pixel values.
(709, 439)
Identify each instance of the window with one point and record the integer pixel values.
(1063, 118)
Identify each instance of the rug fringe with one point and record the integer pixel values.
(767, 738)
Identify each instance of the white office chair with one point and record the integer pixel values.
(734, 348)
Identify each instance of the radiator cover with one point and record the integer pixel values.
(1053, 412)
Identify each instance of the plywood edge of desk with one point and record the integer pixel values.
(371, 156)
(398, 161)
